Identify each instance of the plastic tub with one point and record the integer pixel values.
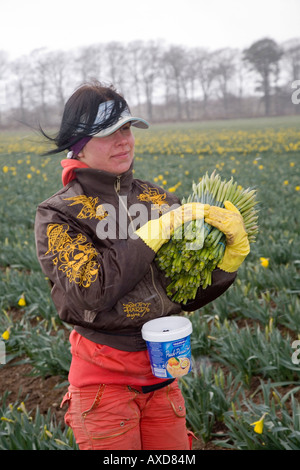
(169, 346)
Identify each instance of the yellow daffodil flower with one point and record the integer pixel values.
(5, 335)
(3, 418)
(264, 262)
(174, 188)
(259, 425)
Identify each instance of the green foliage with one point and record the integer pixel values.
(208, 394)
(241, 342)
(253, 351)
(281, 428)
(23, 430)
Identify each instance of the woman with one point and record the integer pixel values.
(96, 241)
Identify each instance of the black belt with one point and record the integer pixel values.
(151, 388)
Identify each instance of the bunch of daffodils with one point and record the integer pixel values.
(197, 248)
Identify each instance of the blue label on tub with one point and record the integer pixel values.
(170, 359)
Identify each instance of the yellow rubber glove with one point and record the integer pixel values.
(158, 231)
(230, 222)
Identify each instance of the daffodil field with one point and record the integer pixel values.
(243, 392)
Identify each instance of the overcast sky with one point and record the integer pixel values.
(68, 24)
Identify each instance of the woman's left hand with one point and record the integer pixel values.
(230, 222)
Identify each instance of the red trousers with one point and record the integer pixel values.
(117, 417)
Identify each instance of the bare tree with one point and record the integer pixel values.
(174, 63)
(243, 81)
(135, 69)
(89, 62)
(40, 73)
(115, 60)
(264, 56)
(206, 73)
(225, 67)
(3, 64)
(291, 58)
(189, 81)
(143, 70)
(60, 65)
(21, 84)
(151, 55)
(143, 62)
(3, 71)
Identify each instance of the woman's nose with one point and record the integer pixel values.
(121, 137)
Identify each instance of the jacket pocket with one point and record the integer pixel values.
(176, 400)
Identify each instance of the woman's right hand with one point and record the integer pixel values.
(156, 232)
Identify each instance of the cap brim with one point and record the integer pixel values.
(136, 122)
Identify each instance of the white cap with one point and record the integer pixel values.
(104, 112)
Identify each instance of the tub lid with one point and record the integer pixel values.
(166, 329)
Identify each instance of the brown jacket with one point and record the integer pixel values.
(104, 281)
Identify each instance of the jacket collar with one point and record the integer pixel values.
(95, 182)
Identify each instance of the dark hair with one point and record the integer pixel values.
(80, 112)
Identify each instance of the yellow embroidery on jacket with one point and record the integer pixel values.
(74, 256)
(90, 207)
(101, 213)
(136, 309)
(155, 197)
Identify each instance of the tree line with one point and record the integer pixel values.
(161, 82)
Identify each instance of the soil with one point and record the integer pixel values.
(34, 391)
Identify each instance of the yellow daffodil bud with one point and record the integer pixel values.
(5, 335)
(22, 301)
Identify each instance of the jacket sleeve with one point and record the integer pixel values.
(221, 281)
(92, 276)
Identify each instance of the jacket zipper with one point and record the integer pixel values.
(156, 290)
(118, 185)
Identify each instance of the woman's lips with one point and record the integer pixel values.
(121, 156)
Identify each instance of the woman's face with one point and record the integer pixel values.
(113, 153)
